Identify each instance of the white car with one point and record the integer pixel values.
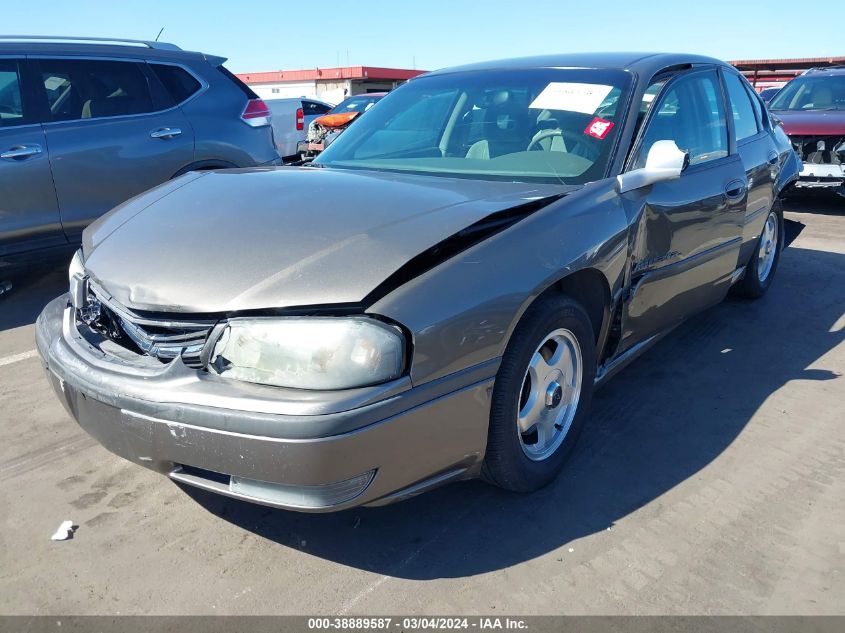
(290, 121)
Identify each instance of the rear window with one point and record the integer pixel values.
(241, 85)
(178, 82)
(311, 108)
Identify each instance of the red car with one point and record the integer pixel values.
(812, 109)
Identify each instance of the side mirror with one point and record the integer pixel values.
(664, 162)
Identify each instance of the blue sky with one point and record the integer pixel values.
(263, 35)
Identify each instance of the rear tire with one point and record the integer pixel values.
(761, 269)
(541, 396)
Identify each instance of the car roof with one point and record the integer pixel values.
(644, 63)
(831, 71)
(98, 47)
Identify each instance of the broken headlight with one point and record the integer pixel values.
(317, 353)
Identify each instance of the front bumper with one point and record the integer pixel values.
(317, 453)
(821, 176)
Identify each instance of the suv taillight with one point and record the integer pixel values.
(256, 113)
(300, 119)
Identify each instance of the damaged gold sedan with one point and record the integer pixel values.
(436, 296)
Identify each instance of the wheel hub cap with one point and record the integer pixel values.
(554, 394)
(549, 397)
(768, 247)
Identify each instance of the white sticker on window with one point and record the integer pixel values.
(572, 97)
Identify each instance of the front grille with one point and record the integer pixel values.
(163, 338)
(167, 342)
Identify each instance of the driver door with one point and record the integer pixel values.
(686, 233)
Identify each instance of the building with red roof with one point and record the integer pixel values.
(326, 84)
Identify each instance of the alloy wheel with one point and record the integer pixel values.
(550, 392)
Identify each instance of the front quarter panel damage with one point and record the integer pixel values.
(462, 312)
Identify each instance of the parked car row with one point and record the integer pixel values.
(437, 294)
(324, 130)
(291, 120)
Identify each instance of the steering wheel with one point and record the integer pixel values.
(576, 143)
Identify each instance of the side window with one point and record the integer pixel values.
(90, 89)
(11, 102)
(744, 116)
(179, 83)
(312, 109)
(689, 112)
(755, 103)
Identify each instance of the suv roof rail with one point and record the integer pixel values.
(817, 69)
(59, 39)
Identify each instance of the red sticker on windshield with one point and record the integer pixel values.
(599, 128)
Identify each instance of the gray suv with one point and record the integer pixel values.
(88, 123)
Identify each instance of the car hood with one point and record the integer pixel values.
(812, 122)
(270, 238)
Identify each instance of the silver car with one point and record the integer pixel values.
(437, 296)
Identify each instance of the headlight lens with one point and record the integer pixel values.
(317, 353)
(76, 265)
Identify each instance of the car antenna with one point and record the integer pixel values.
(159, 34)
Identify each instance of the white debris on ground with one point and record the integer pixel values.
(64, 532)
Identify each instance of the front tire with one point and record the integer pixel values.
(764, 262)
(541, 395)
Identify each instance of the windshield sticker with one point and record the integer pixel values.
(599, 128)
(572, 97)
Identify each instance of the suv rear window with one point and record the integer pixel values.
(241, 85)
(91, 89)
(178, 82)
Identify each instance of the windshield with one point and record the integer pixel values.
(812, 93)
(538, 125)
(355, 104)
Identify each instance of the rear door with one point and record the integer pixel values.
(687, 232)
(113, 133)
(759, 156)
(29, 216)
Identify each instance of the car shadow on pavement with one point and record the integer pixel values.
(32, 289)
(666, 417)
(818, 203)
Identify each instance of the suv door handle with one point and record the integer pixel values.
(773, 158)
(21, 152)
(165, 132)
(735, 189)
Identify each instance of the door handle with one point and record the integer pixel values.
(165, 132)
(735, 190)
(773, 158)
(21, 152)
